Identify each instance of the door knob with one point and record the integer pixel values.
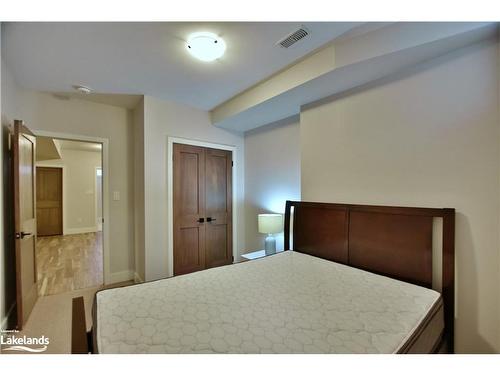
(209, 219)
(201, 220)
(20, 236)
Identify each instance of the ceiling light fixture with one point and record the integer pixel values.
(82, 89)
(206, 46)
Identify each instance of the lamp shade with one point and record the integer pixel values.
(270, 223)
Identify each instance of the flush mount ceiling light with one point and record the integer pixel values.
(206, 46)
(82, 89)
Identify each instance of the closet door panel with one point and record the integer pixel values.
(218, 182)
(189, 208)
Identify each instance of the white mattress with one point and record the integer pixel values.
(286, 303)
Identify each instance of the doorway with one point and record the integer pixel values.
(69, 244)
(201, 186)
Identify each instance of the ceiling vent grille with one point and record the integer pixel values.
(294, 37)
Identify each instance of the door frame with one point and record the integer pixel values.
(170, 193)
(105, 188)
(97, 223)
(61, 167)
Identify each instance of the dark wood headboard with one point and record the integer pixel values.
(387, 240)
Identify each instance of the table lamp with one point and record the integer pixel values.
(270, 224)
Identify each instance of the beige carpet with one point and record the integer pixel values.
(51, 317)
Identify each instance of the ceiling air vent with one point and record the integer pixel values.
(294, 37)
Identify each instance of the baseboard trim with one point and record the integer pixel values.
(80, 230)
(5, 320)
(118, 277)
(137, 278)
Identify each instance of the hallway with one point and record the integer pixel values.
(67, 263)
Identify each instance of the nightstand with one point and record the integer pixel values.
(256, 255)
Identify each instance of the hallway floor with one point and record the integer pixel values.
(67, 263)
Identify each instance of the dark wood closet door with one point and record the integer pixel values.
(202, 208)
(218, 182)
(189, 209)
(49, 201)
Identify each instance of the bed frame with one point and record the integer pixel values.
(391, 241)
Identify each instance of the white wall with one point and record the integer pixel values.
(139, 192)
(163, 119)
(10, 110)
(42, 111)
(272, 175)
(429, 137)
(79, 189)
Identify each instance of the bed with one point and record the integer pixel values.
(358, 280)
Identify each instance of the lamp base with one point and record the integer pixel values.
(270, 245)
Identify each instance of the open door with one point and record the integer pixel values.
(24, 146)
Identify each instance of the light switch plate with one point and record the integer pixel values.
(116, 195)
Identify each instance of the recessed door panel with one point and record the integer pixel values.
(216, 181)
(189, 182)
(218, 207)
(218, 250)
(189, 208)
(191, 258)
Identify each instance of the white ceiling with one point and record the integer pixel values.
(46, 149)
(359, 62)
(150, 58)
(79, 146)
(117, 100)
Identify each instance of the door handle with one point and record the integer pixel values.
(20, 236)
(209, 219)
(201, 220)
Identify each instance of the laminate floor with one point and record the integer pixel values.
(67, 263)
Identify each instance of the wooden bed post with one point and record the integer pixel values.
(448, 276)
(79, 338)
(286, 228)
